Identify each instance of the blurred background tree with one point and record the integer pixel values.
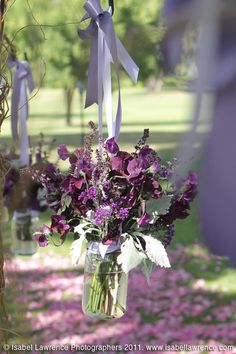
(65, 56)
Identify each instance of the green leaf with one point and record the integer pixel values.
(67, 201)
(156, 207)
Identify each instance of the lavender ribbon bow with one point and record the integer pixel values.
(106, 49)
(19, 105)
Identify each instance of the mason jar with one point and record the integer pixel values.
(105, 284)
(22, 227)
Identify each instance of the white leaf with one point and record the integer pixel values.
(79, 229)
(76, 249)
(130, 257)
(156, 252)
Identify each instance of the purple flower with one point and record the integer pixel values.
(155, 167)
(87, 195)
(111, 146)
(169, 235)
(70, 184)
(193, 178)
(166, 172)
(190, 193)
(63, 152)
(51, 173)
(120, 161)
(102, 214)
(135, 169)
(106, 185)
(123, 213)
(45, 229)
(41, 239)
(153, 187)
(59, 224)
(147, 154)
(41, 236)
(144, 220)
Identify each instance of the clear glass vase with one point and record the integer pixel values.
(105, 284)
(22, 227)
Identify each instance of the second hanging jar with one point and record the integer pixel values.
(23, 227)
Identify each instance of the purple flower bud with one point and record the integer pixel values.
(144, 220)
(41, 239)
(111, 146)
(193, 178)
(63, 152)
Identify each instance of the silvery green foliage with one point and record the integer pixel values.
(156, 252)
(147, 267)
(130, 257)
(132, 254)
(156, 207)
(77, 246)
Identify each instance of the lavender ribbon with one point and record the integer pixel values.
(106, 49)
(19, 105)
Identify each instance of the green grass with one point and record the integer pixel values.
(167, 115)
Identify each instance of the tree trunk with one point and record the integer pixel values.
(3, 98)
(69, 92)
(3, 311)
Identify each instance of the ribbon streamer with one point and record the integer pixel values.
(106, 49)
(19, 106)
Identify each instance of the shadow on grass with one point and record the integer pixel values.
(127, 138)
(84, 121)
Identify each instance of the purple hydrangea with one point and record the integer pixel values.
(102, 214)
(123, 213)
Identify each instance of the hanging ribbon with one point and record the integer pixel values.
(106, 49)
(19, 106)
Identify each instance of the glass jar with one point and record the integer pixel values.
(105, 284)
(22, 227)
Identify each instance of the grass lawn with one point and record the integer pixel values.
(168, 115)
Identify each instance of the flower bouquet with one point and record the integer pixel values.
(123, 205)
